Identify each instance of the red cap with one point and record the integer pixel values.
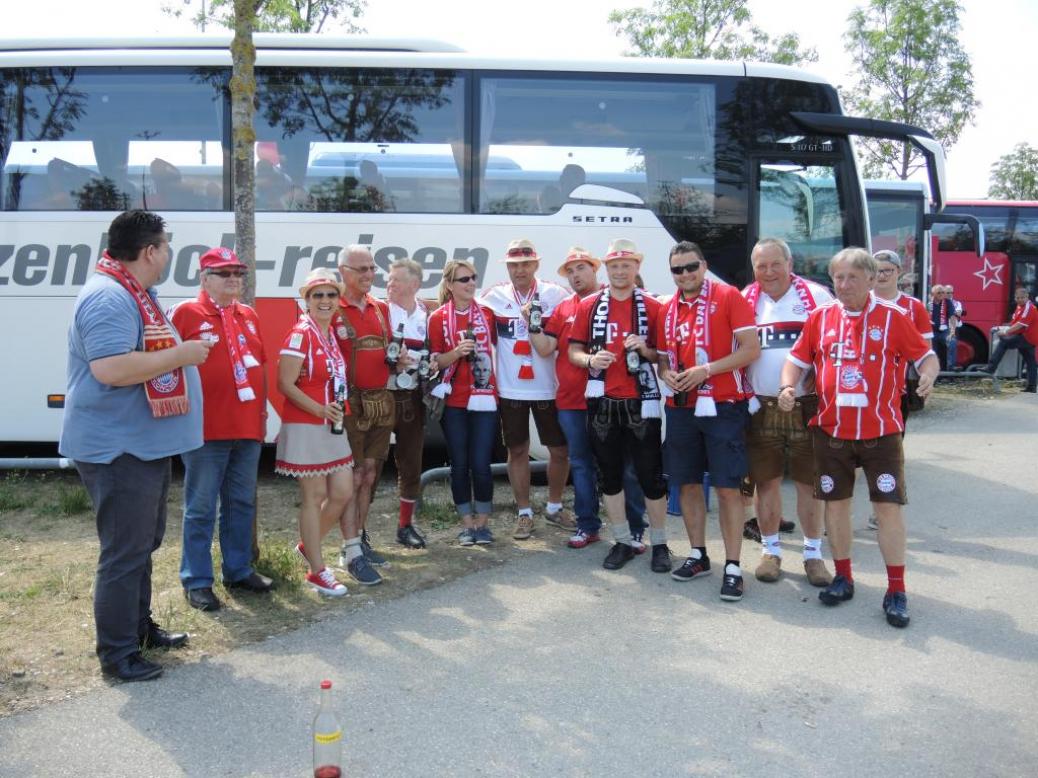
(326, 684)
(220, 257)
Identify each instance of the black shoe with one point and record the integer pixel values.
(410, 536)
(253, 583)
(731, 588)
(895, 605)
(692, 568)
(373, 557)
(660, 559)
(751, 530)
(157, 637)
(787, 526)
(619, 555)
(132, 668)
(1031, 389)
(840, 590)
(202, 599)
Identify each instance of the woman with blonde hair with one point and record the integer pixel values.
(461, 336)
(311, 445)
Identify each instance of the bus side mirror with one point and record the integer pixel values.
(976, 228)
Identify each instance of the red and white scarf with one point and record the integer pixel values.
(482, 398)
(167, 393)
(333, 356)
(705, 405)
(849, 359)
(237, 349)
(521, 347)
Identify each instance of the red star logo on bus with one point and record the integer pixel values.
(990, 274)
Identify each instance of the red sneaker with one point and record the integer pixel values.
(581, 539)
(326, 583)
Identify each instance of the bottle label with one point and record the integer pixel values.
(328, 737)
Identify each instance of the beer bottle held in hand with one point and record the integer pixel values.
(470, 335)
(680, 398)
(536, 313)
(424, 362)
(396, 346)
(327, 737)
(340, 400)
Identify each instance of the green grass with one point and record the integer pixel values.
(279, 561)
(10, 500)
(73, 500)
(438, 515)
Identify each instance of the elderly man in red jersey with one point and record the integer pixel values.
(856, 346)
(1021, 333)
(224, 470)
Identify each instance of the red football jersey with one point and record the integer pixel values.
(917, 312)
(729, 313)
(225, 416)
(314, 375)
(888, 338)
(619, 384)
(1027, 315)
(370, 370)
(461, 382)
(572, 379)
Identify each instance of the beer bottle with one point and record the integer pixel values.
(340, 400)
(396, 346)
(470, 335)
(634, 361)
(536, 313)
(680, 398)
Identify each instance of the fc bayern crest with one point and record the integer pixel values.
(799, 309)
(239, 372)
(342, 332)
(850, 377)
(251, 326)
(826, 482)
(875, 333)
(166, 383)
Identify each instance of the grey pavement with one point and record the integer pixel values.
(552, 665)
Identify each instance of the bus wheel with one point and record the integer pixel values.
(973, 347)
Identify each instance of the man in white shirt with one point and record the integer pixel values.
(781, 302)
(405, 279)
(526, 383)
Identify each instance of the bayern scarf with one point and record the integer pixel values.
(705, 405)
(237, 349)
(480, 398)
(166, 393)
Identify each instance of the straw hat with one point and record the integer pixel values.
(577, 254)
(521, 250)
(623, 249)
(321, 276)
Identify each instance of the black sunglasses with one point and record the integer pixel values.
(464, 279)
(691, 267)
(227, 273)
(323, 295)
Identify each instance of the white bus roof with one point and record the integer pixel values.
(309, 50)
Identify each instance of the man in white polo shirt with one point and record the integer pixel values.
(526, 383)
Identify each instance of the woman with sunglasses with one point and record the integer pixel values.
(461, 336)
(311, 445)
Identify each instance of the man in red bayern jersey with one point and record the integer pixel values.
(856, 346)
(1022, 334)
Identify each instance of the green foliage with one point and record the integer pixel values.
(705, 29)
(280, 562)
(275, 15)
(1015, 175)
(911, 69)
(10, 500)
(438, 515)
(73, 500)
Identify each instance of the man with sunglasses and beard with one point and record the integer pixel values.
(707, 413)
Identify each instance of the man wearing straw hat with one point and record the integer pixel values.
(526, 383)
(613, 340)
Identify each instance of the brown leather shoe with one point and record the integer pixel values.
(523, 527)
(769, 569)
(817, 575)
(562, 518)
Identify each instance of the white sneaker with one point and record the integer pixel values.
(326, 583)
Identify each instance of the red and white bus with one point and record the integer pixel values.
(985, 284)
(413, 148)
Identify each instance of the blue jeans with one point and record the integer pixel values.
(585, 478)
(1026, 354)
(470, 445)
(223, 470)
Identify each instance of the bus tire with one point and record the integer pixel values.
(973, 346)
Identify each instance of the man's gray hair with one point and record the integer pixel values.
(353, 248)
(764, 243)
(410, 266)
(859, 259)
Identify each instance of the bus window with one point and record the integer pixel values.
(104, 139)
(894, 223)
(358, 140)
(655, 140)
(800, 204)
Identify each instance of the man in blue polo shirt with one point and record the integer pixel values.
(134, 401)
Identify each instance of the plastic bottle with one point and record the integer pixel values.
(327, 737)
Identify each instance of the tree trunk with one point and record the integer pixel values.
(243, 140)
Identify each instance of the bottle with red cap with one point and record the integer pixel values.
(327, 737)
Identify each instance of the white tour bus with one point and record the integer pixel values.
(410, 147)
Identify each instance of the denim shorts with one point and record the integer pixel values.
(708, 444)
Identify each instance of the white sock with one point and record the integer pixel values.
(730, 569)
(696, 554)
(622, 533)
(526, 512)
(554, 507)
(351, 548)
(770, 545)
(812, 548)
(658, 537)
